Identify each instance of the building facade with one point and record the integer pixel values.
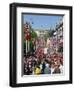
(57, 38)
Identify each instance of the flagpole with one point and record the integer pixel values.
(26, 46)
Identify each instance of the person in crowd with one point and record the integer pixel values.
(57, 69)
(61, 66)
(47, 69)
(25, 65)
(34, 61)
(37, 70)
(43, 67)
(52, 67)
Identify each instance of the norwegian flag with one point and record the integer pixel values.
(28, 36)
(26, 28)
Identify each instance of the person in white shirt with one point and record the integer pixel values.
(52, 68)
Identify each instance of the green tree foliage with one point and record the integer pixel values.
(33, 34)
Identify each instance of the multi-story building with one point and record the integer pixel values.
(57, 38)
(41, 37)
(41, 33)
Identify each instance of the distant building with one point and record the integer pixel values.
(57, 38)
(41, 37)
(41, 33)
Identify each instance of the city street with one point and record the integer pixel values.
(43, 50)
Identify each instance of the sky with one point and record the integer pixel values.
(42, 21)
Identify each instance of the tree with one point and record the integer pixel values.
(33, 34)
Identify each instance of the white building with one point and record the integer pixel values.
(40, 32)
(57, 38)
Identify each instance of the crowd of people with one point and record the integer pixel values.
(48, 64)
